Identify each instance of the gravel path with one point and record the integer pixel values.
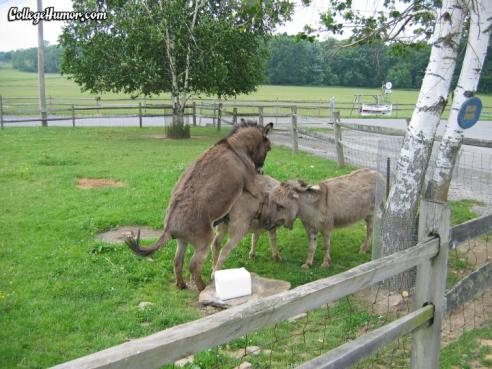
(472, 177)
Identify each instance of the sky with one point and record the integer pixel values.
(23, 34)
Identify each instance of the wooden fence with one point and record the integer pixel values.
(26, 109)
(424, 322)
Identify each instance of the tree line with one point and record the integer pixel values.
(329, 63)
(305, 63)
(26, 60)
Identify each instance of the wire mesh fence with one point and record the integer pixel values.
(301, 338)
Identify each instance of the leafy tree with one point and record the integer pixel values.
(400, 76)
(177, 46)
(26, 60)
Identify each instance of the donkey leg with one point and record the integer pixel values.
(254, 241)
(272, 234)
(236, 233)
(365, 246)
(326, 247)
(220, 232)
(178, 264)
(196, 263)
(312, 248)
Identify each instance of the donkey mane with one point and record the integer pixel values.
(243, 124)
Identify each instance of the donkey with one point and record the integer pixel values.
(333, 203)
(245, 216)
(206, 192)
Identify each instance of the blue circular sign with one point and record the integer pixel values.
(469, 112)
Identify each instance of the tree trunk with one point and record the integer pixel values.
(399, 220)
(178, 127)
(476, 51)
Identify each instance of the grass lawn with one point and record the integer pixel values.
(64, 295)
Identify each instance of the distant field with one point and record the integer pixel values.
(14, 83)
(21, 84)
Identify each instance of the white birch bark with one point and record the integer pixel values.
(476, 51)
(398, 226)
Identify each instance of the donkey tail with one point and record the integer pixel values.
(134, 244)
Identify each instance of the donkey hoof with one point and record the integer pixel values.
(182, 285)
(277, 257)
(252, 255)
(325, 264)
(306, 266)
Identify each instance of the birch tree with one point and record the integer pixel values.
(398, 230)
(476, 51)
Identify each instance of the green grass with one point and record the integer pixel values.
(467, 349)
(461, 211)
(64, 295)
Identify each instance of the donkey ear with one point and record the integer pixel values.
(267, 129)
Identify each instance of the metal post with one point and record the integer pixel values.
(295, 139)
(434, 220)
(42, 89)
(140, 114)
(73, 116)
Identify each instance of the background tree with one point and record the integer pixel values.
(177, 46)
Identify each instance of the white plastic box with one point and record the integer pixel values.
(232, 283)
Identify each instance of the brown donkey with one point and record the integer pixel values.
(206, 192)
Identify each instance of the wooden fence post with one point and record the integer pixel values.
(214, 114)
(194, 113)
(73, 115)
(219, 117)
(140, 114)
(434, 220)
(295, 138)
(338, 142)
(1, 111)
(277, 113)
(260, 115)
(234, 115)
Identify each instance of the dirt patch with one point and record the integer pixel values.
(119, 234)
(474, 314)
(86, 183)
